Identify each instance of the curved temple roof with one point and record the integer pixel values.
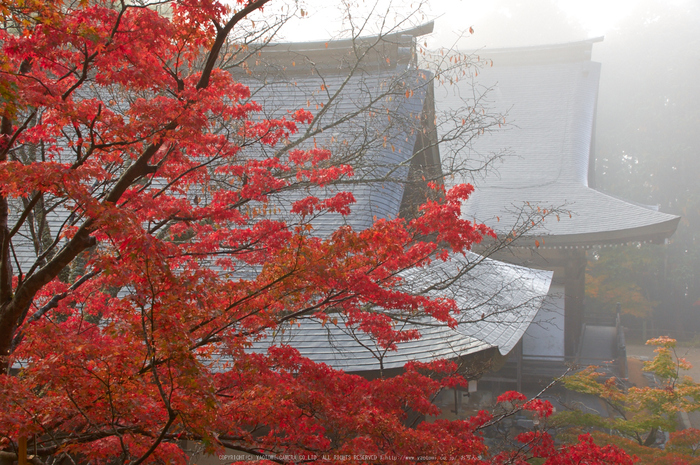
(549, 94)
(497, 303)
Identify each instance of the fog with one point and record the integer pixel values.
(499, 23)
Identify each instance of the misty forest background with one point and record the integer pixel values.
(647, 150)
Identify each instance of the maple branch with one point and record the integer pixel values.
(221, 36)
(5, 140)
(61, 441)
(25, 214)
(53, 303)
(231, 306)
(90, 58)
(14, 305)
(515, 411)
(82, 239)
(171, 418)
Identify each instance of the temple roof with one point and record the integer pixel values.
(497, 303)
(549, 95)
(369, 121)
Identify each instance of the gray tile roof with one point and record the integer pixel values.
(497, 300)
(550, 105)
(497, 303)
(371, 124)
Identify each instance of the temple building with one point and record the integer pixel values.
(548, 95)
(375, 110)
(533, 168)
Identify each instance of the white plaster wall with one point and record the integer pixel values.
(544, 338)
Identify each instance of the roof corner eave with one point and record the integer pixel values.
(656, 234)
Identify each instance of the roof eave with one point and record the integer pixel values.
(655, 233)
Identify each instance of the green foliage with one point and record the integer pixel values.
(638, 413)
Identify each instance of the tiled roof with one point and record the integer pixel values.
(550, 105)
(497, 303)
(371, 124)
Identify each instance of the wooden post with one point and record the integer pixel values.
(22, 452)
(456, 410)
(519, 366)
(574, 292)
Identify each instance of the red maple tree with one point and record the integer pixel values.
(130, 331)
